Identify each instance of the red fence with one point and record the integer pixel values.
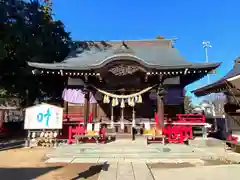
(179, 129)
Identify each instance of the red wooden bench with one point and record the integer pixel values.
(81, 131)
(175, 132)
(72, 120)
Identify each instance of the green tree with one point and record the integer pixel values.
(29, 33)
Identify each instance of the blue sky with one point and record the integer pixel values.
(191, 21)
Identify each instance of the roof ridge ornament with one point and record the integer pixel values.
(124, 48)
(124, 45)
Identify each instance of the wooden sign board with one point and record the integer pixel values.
(43, 116)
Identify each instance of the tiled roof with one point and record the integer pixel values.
(157, 54)
(211, 88)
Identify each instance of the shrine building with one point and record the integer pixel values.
(229, 85)
(124, 83)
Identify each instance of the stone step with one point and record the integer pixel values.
(122, 152)
(129, 160)
(125, 149)
(110, 150)
(149, 156)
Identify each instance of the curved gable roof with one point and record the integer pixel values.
(157, 54)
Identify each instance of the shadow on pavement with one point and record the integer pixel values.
(25, 173)
(91, 171)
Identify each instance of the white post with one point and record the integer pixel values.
(133, 118)
(112, 121)
(205, 132)
(122, 118)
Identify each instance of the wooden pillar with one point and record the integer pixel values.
(65, 106)
(160, 110)
(86, 108)
(98, 112)
(94, 111)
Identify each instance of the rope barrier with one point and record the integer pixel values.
(123, 96)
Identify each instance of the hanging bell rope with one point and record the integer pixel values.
(107, 94)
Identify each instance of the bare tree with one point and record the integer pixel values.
(188, 107)
(218, 100)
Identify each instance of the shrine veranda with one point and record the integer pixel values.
(123, 84)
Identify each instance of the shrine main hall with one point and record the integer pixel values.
(124, 83)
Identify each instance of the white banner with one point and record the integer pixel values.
(43, 116)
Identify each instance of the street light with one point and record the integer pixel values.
(206, 45)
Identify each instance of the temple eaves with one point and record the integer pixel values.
(220, 85)
(157, 54)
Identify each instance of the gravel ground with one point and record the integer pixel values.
(27, 164)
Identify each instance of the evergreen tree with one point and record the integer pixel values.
(28, 33)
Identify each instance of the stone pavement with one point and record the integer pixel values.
(223, 172)
(125, 150)
(222, 153)
(129, 160)
(126, 171)
(140, 171)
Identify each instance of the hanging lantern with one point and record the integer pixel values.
(122, 103)
(139, 99)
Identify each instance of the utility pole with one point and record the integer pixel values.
(206, 46)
